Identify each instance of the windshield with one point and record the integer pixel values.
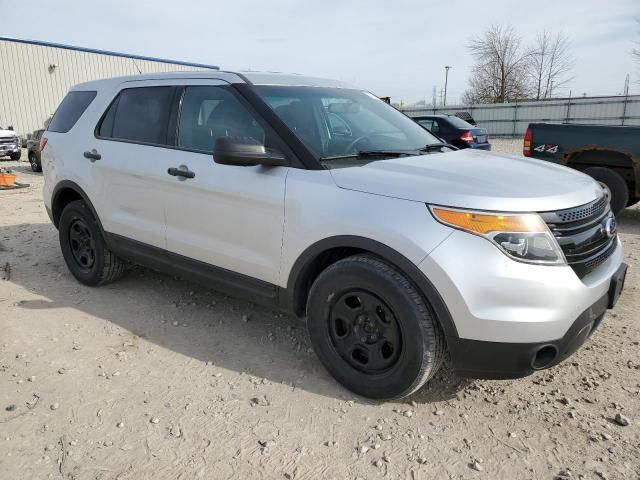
(335, 122)
(459, 123)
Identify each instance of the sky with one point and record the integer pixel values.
(393, 48)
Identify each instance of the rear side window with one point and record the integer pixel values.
(139, 115)
(70, 110)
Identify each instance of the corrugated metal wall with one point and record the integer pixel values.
(30, 90)
(512, 119)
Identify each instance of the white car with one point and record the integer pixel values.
(10, 144)
(319, 198)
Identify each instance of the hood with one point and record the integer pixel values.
(7, 133)
(473, 179)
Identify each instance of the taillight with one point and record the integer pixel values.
(528, 140)
(43, 143)
(466, 137)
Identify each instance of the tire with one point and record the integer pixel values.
(617, 187)
(389, 344)
(83, 247)
(35, 163)
(16, 156)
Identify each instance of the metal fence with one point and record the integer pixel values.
(512, 119)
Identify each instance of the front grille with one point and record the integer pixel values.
(582, 234)
(4, 141)
(580, 213)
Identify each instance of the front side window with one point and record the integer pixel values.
(429, 125)
(336, 122)
(70, 110)
(139, 115)
(210, 112)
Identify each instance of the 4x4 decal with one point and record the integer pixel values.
(547, 147)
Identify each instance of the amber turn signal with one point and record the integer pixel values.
(485, 223)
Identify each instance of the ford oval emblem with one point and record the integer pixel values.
(610, 227)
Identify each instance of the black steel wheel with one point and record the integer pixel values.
(82, 244)
(84, 249)
(364, 331)
(372, 330)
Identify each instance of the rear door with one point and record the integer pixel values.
(227, 216)
(130, 175)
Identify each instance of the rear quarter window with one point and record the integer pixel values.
(70, 110)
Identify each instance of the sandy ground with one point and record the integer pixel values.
(154, 377)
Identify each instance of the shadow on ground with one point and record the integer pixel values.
(184, 317)
(211, 327)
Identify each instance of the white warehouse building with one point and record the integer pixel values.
(35, 76)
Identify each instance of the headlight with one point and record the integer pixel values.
(523, 237)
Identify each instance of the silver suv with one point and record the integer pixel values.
(320, 199)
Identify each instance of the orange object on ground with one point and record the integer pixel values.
(7, 179)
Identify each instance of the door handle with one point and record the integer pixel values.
(93, 155)
(181, 171)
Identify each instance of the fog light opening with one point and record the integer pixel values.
(544, 357)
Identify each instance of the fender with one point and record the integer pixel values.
(305, 260)
(55, 198)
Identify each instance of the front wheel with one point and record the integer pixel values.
(371, 328)
(83, 247)
(15, 156)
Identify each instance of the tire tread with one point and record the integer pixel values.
(113, 266)
(433, 337)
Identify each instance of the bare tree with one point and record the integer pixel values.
(549, 63)
(636, 51)
(499, 74)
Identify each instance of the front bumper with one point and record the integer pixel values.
(505, 311)
(9, 149)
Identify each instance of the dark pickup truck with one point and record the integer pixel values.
(609, 154)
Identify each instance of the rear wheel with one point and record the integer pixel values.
(614, 187)
(83, 247)
(372, 330)
(35, 163)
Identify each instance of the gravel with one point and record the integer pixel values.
(223, 390)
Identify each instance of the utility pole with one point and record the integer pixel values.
(446, 79)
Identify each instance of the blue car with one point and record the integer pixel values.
(455, 131)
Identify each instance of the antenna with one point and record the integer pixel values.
(136, 65)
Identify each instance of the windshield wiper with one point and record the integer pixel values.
(437, 146)
(367, 153)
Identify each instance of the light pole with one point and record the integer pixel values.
(446, 79)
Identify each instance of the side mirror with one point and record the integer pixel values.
(245, 152)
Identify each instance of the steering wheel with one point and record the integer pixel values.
(349, 147)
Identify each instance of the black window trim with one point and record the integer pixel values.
(290, 153)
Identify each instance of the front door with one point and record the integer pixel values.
(227, 216)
